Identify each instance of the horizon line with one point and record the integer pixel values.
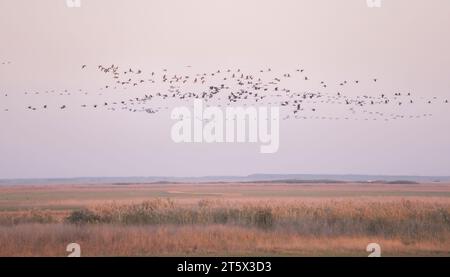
(225, 176)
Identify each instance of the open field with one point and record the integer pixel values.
(226, 219)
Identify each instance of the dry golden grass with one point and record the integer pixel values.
(221, 220)
(405, 219)
(212, 240)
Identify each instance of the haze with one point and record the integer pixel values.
(405, 44)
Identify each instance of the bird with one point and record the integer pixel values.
(236, 85)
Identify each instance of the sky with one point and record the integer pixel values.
(404, 43)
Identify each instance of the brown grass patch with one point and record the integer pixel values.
(212, 240)
(219, 220)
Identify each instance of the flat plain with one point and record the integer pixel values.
(226, 219)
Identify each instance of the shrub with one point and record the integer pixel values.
(264, 219)
(82, 217)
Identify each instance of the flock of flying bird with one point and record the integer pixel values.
(157, 90)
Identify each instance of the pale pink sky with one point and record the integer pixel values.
(405, 43)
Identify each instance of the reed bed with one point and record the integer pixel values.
(160, 227)
(401, 219)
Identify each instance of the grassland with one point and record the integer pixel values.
(226, 219)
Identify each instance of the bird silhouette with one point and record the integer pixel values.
(225, 87)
